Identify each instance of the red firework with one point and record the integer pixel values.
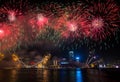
(38, 21)
(72, 26)
(71, 22)
(9, 36)
(102, 19)
(41, 20)
(14, 9)
(52, 11)
(4, 32)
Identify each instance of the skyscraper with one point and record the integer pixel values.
(71, 55)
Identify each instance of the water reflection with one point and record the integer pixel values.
(14, 75)
(55, 76)
(79, 75)
(63, 75)
(45, 76)
(8, 75)
(58, 75)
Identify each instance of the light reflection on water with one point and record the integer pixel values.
(56, 75)
(79, 75)
(8, 76)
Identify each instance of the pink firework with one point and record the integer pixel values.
(103, 19)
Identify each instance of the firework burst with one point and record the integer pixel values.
(9, 36)
(103, 19)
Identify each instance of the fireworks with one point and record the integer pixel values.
(9, 36)
(1, 33)
(97, 23)
(72, 27)
(103, 19)
(90, 23)
(41, 20)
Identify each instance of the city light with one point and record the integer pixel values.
(1, 56)
(15, 57)
(100, 66)
(77, 58)
(116, 66)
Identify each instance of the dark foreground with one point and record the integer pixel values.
(60, 75)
